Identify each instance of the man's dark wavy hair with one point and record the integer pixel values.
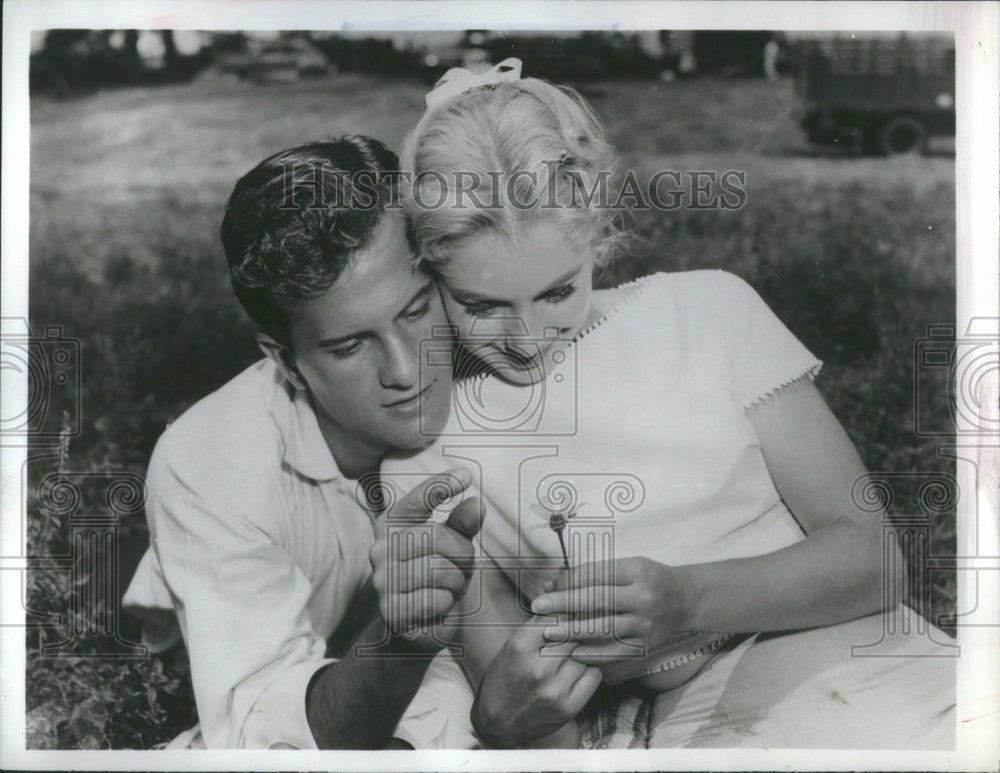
(293, 222)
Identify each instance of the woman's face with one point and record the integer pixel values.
(512, 299)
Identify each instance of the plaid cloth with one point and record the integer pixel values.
(616, 718)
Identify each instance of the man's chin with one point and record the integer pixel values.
(421, 430)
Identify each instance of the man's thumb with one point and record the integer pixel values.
(467, 517)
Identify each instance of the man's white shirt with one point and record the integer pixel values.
(258, 546)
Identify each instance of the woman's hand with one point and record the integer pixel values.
(616, 609)
(531, 690)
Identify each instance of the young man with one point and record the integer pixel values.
(263, 550)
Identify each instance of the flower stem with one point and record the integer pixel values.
(563, 546)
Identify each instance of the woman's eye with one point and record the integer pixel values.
(560, 294)
(346, 351)
(480, 309)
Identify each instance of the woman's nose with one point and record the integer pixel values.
(518, 328)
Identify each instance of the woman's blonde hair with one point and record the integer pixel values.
(486, 143)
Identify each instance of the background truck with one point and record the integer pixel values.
(885, 93)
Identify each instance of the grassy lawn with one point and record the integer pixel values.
(855, 255)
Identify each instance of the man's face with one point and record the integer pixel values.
(357, 348)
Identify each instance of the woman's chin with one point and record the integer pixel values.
(518, 376)
(519, 372)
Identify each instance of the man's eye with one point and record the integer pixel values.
(560, 294)
(419, 312)
(343, 352)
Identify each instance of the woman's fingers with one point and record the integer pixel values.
(582, 602)
(614, 572)
(595, 629)
(602, 654)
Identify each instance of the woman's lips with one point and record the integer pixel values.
(527, 358)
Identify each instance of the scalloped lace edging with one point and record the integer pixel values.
(641, 284)
(810, 372)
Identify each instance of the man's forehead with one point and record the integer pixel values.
(379, 266)
(375, 285)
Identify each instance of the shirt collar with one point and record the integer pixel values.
(306, 450)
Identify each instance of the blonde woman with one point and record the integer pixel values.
(739, 570)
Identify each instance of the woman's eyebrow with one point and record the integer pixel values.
(470, 296)
(570, 275)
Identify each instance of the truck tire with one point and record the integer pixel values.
(901, 135)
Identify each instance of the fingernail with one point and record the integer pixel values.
(555, 633)
(541, 606)
(548, 586)
(463, 474)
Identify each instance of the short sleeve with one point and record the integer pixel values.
(766, 355)
(240, 599)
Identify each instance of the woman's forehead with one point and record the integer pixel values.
(536, 257)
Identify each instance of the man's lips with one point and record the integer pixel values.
(408, 400)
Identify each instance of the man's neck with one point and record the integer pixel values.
(354, 456)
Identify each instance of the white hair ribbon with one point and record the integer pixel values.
(458, 79)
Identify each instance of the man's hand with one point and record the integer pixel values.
(530, 690)
(421, 568)
(615, 609)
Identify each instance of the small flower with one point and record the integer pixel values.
(557, 522)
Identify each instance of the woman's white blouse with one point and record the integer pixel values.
(638, 432)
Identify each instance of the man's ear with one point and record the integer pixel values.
(281, 356)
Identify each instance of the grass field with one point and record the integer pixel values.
(856, 255)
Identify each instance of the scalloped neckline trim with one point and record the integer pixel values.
(640, 284)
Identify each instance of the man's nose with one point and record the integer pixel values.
(400, 366)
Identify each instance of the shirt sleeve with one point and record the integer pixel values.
(439, 716)
(767, 356)
(148, 599)
(241, 601)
